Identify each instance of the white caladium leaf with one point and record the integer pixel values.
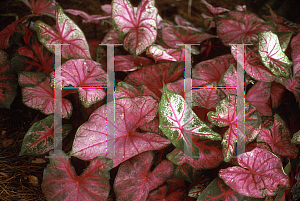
(272, 55)
(91, 138)
(139, 26)
(87, 75)
(158, 53)
(37, 93)
(180, 124)
(39, 139)
(68, 33)
(226, 115)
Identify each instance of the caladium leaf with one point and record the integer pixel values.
(259, 96)
(184, 23)
(229, 80)
(155, 75)
(277, 92)
(260, 175)
(211, 70)
(60, 181)
(8, 32)
(128, 142)
(293, 85)
(180, 124)
(212, 9)
(240, 27)
(296, 138)
(295, 45)
(111, 37)
(124, 90)
(39, 139)
(37, 93)
(278, 137)
(87, 75)
(210, 155)
(173, 35)
(253, 65)
(67, 33)
(129, 63)
(46, 7)
(158, 53)
(134, 180)
(86, 17)
(187, 173)
(272, 55)
(140, 25)
(226, 115)
(161, 193)
(207, 97)
(8, 82)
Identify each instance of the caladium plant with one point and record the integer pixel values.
(163, 144)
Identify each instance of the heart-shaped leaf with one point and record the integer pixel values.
(295, 45)
(8, 32)
(86, 75)
(240, 27)
(229, 80)
(212, 9)
(139, 26)
(210, 155)
(8, 82)
(186, 173)
(180, 124)
(88, 18)
(39, 138)
(130, 113)
(67, 33)
(277, 135)
(134, 180)
(46, 7)
(226, 115)
(277, 92)
(158, 53)
(211, 70)
(272, 55)
(60, 181)
(129, 63)
(37, 93)
(260, 175)
(124, 90)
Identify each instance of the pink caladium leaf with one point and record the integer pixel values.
(187, 173)
(134, 180)
(87, 75)
(293, 85)
(259, 96)
(211, 70)
(112, 37)
(60, 181)
(158, 53)
(184, 23)
(8, 82)
(226, 115)
(86, 17)
(153, 76)
(180, 124)
(272, 55)
(212, 9)
(277, 92)
(163, 193)
(260, 175)
(173, 36)
(207, 97)
(229, 80)
(278, 137)
(139, 26)
(124, 90)
(68, 33)
(210, 155)
(39, 139)
(253, 65)
(240, 27)
(295, 45)
(296, 138)
(128, 142)
(37, 93)
(8, 32)
(129, 63)
(46, 7)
